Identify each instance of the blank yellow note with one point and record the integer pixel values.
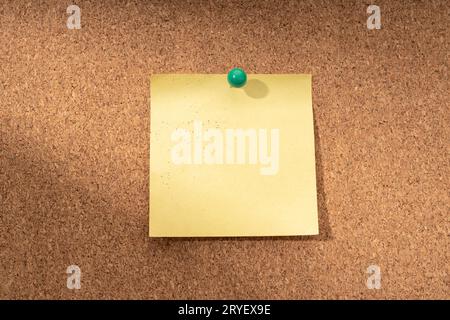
(232, 161)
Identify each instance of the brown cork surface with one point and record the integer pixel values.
(74, 145)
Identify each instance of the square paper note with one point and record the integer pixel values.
(232, 161)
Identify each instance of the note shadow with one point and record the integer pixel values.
(325, 232)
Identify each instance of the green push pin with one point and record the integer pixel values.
(237, 77)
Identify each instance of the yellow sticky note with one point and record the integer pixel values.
(232, 161)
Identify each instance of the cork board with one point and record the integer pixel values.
(74, 145)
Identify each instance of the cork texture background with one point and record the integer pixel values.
(74, 148)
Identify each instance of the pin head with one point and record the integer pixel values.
(237, 77)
